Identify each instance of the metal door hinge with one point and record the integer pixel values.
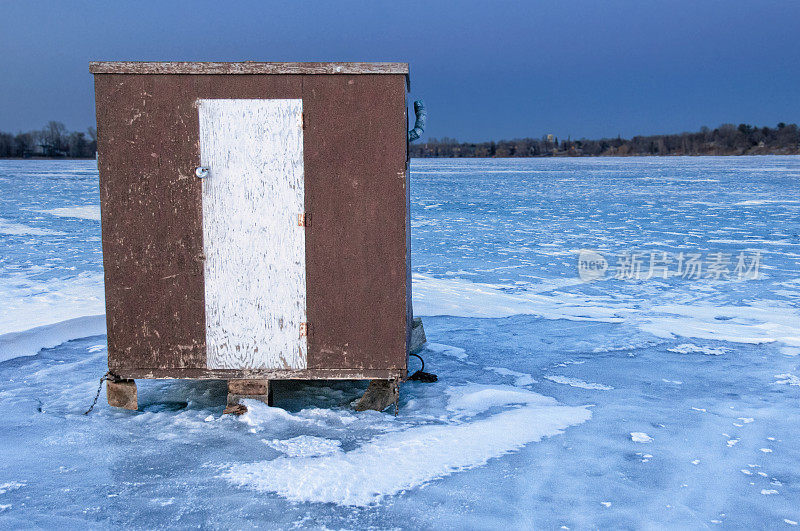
(304, 329)
(304, 219)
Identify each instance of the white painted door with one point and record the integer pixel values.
(255, 267)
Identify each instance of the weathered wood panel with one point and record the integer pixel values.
(356, 186)
(151, 222)
(248, 67)
(255, 269)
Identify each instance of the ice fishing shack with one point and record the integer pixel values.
(255, 223)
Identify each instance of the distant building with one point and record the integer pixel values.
(44, 150)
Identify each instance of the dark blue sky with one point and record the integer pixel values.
(487, 70)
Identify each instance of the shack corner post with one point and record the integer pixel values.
(255, 222)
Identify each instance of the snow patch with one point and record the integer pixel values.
(37, 314)
(401, 460)
(91, 212)
(753, 324)
(751, 202)
(18, 229)
(30, 342)
(688, 348)
(788, 379)
(447, 350)
(574, 382)
(462, 298)
(29, 303)
(640, 437)
(742, 324)
(474, 398)
(260, 416)
(11, 485)
(521, 379)
(305, 446)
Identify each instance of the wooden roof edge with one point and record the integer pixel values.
(246, 67)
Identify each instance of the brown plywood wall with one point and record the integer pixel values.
(355, 190)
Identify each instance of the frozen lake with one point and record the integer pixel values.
(661, 390)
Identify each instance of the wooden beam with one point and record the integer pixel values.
(122, 393)
(248, 387)
(379, 395)
(252, 389)
(247, 67)
(262, 374)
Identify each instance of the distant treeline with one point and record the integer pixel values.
(53, 141)
(727, 139)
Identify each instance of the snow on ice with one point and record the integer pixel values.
(91, 212)
(549, 387)
(574, 382)
(640, 437)
(415, 455)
